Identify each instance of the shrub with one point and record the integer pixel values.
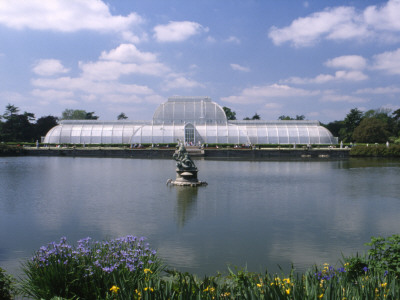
(7, 285)
(90, 269)
(385, 254)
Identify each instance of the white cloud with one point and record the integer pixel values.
(180, 82)
(354, 62)
(324, 78)
(332, 96)
(259, 94)
(90, 87)
(52, 94)
(49, 67)
(386, 17)
(342, 23)
(388, 62)
(65, 16)
(233, 39)
(379, 90)
(237, 67)
(128, 53)
(177, 31)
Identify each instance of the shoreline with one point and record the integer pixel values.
(212, 153)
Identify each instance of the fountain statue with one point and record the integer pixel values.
(186, 170)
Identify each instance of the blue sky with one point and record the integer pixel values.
(314, 58)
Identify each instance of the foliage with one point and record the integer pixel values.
(122, 116)
(59, 270)
(90, 269)
(230, 115)
(78, 114)
(298, 117)
(335, 127)
(43, 125)
(17, 127)
(376, 151)
(385, 254)
(371, 130)
(352, 120)
(255, 117)
(7, 285)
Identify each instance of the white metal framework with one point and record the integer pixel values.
(195, 120)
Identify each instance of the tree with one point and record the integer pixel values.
(11, 110)
(371, 130)
(352, 120)
(78, 114)
(256, 117)
(91, 116)
(298, 117)
(122, 116)
(230, 115)
(43, 125)
(17, 127)
(335, 127)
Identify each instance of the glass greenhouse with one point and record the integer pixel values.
(195, 120)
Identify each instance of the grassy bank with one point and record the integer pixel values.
(127, 268)
(375, 151)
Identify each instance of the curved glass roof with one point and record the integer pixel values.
(196, 110)
(192, 119)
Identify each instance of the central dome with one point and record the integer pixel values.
(195, 110)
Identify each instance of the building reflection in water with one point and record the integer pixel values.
(186, 198)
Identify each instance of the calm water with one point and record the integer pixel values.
(258, 214)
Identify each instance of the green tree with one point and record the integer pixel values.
(298, 117)
(78, 114)
(43, 125)
(351, 122)
(335, 128)
(284, 118)
(256, 117)
(122, 116)
(17, 127)
(230, 115)
(371, 130)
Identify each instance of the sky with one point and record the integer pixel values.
(316, 58)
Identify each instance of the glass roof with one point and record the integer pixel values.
(196, 110)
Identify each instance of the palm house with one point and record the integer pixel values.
(195, 120)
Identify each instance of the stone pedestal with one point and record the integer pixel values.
(186, 178)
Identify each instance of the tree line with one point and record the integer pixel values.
(373, 126)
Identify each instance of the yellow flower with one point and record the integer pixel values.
(288, 291)
(384, 284)
(226, 294)
(149, 288)
(286, 280)
(114, 289)
(147, 271)
(320, 296)
(260, 285)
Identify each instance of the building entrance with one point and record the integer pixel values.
(190, 134)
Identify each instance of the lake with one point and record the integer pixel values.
(258, 214)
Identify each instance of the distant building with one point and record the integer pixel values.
(195, 120)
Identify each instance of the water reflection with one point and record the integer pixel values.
(258, 214)
(186, 198)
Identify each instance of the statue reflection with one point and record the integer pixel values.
(186, 198)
